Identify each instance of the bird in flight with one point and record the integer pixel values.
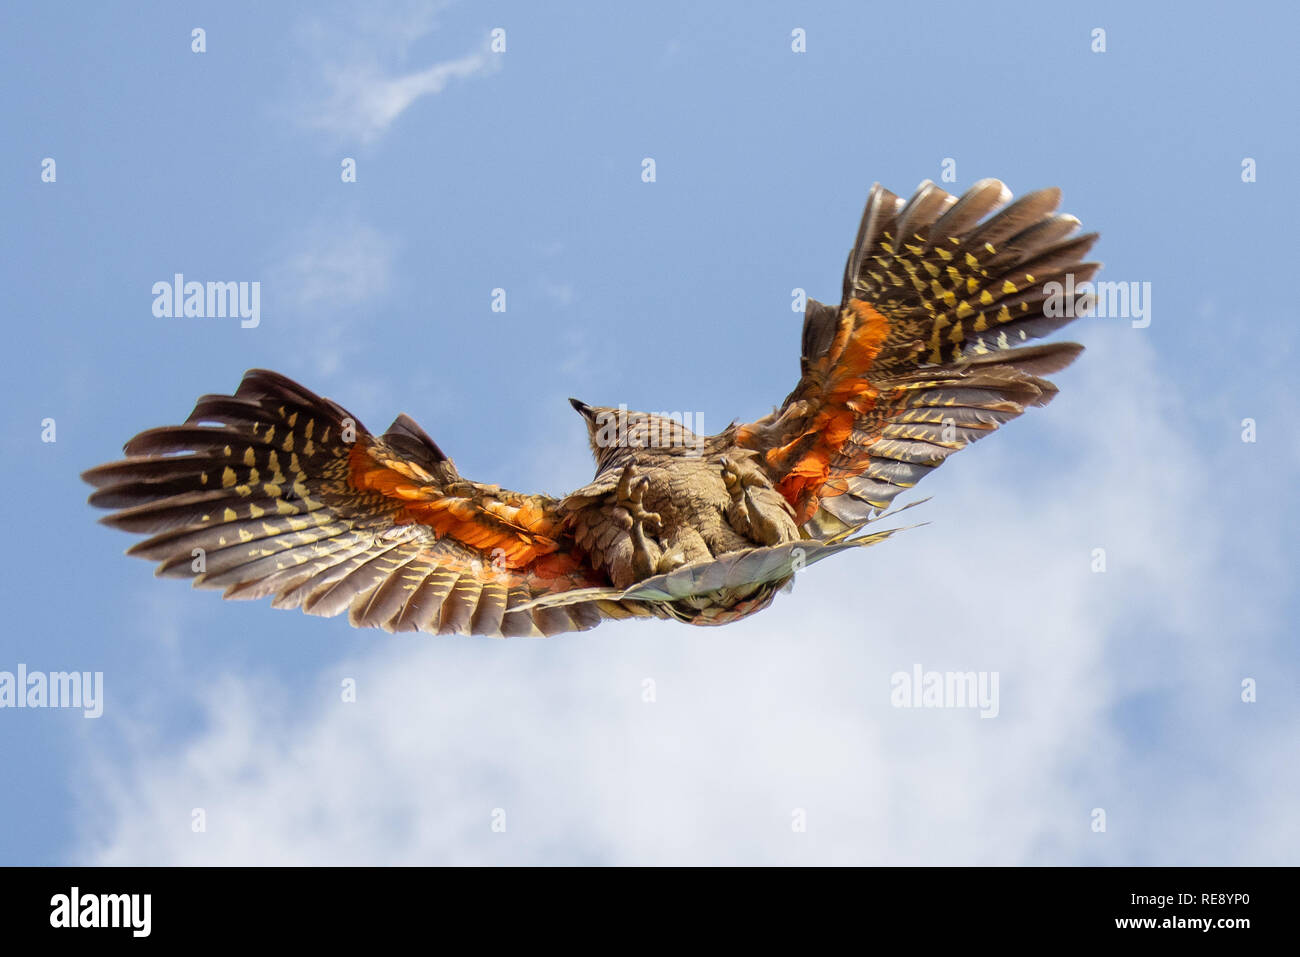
(277, 492)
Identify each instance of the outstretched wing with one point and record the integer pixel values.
(287, 495)
(924, 354)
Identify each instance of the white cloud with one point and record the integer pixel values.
(562, 294)
(335, 266)
(364, 83)
(324, 273)
(791, 709)
(363, 103)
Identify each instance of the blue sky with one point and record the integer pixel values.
(521, 170)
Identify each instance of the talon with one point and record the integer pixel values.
(631, 500)
(729, 478)
(625, 483)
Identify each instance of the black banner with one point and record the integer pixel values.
(330, 905)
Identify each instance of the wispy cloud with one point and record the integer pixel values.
(561, 294)
(335, 266)
(790, 710)
(319, 279)
(363, 80)
(363, 103)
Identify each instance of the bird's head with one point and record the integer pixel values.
(613, 431)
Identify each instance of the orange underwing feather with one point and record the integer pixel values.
(842, 392)
(928, 349)
(519, 529)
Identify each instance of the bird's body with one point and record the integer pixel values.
(665, 499)
(285, 494)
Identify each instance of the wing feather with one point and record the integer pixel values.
(928, 350)
(277, 492)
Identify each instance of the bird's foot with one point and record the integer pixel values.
(631, 498)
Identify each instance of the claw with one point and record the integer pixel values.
(624, 492)
(630, 502)
(631, 498)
